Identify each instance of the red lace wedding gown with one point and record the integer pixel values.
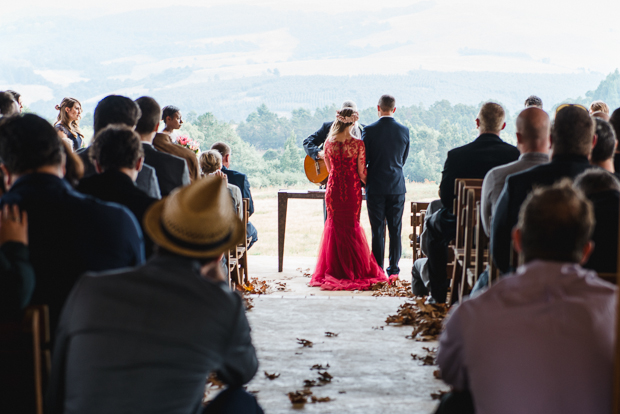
(345, 261)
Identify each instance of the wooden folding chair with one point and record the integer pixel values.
(469, 251)
(25, 360)
(418, 212)
(238, 258)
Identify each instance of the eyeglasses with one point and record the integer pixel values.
(559, 108)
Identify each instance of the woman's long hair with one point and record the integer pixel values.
(345, 118)
(63, 117)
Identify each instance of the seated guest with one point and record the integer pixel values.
(533, 130)
(17, 278)
(603, 152)
(420, 281)
(118, 157)
(68, 233)
(68, 121)
(473, 160)
(74, 168)
(18, 98)
(171, 115)
(534, 101)
(146, 339)
(172, 171)
(572, 139)
(614, 120)
(115, 109)
(599, 106)
(603, 190)
(211, 163)
(8, 105)
(241, 181)
(542, 339)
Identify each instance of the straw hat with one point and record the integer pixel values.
(196, 221)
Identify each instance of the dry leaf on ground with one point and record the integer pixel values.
(398, 288)
(437, 395)
(437, 374)
(319, 367)
(309, 383)
(427, 319)
(257, 287)
(429, 358)
(325, 377)
(305, 343)
(320, 399)
(330, 334)
(272, 376)
(299, 396)
(304, 272)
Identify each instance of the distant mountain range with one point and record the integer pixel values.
(229, 59)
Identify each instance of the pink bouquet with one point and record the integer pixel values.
(188, 143)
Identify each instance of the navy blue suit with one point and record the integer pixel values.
(515, 191)
(70, 234)
(241, 181)
(313, 143)
(387, 148)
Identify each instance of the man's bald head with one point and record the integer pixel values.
(533, 130)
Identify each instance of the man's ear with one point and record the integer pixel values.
(6, 177)
(587, 251)
(156, 127)
(519, 138)
(503, 126)
(477, 123)
(594, 140)
(139, 164)
(394, 110)
(516, 239)
(98, 167)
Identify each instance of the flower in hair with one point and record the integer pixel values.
(348, 119)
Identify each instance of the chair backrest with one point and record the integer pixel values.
(417, 223)
(460, 212)
(25, 360)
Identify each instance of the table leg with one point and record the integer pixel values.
(282, 207)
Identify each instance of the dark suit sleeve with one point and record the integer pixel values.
(313, 142)
(446, 188)
(240, 362)
(501, 229)
(248, 194)
(406, 154)
(17, 279)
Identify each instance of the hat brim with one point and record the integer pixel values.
(152, 227)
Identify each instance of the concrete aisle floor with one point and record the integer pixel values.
(372, 367)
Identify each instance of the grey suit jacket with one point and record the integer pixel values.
(146, 181)
(144, 340)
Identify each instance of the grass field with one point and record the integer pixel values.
(304, 223)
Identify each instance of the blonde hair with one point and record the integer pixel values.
(338, 126)
(63, 117)
(491, 117)
(599, 106)
(210, 161)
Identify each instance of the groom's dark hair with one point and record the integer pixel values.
(387, 103)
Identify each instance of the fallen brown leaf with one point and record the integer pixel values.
(272, 376)
(429, 358)
(305, 343)
(398, 288)
(437, 395)
(320, 367)
(325, 377)
(299, 397)
(437, 374)
(427, 320)
(309, 383)
(320, 399)
(330, 334)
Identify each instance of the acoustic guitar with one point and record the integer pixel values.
(316, 171)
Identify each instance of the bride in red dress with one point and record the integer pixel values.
(345, 261)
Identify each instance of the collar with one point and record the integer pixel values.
(534, 156)
(564, 158)
(386, 116)
(118, 177)
(46, 181)
(488, 137)
(150, 144)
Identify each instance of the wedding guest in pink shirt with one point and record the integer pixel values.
(541, 340)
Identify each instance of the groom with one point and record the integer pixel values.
(387, 148)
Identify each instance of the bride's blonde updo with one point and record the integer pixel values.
(345, 118)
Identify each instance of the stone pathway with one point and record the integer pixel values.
(371, 363)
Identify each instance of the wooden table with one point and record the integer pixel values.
(283, 197)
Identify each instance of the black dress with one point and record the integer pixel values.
(76, 138)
